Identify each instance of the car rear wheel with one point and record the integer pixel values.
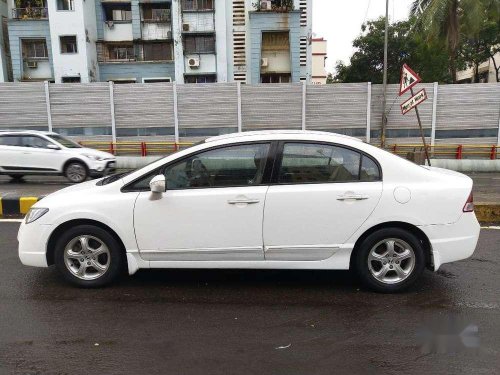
(16, 177)
(390, 260)
(88, 256)
(76, 172)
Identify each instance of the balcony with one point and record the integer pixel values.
(274, 6)
(30, 13)
(117, 31)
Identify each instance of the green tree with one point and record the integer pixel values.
(484, 44)
(445, 20)
(405, 46)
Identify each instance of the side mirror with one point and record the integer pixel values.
(52, 146)
(157, 184)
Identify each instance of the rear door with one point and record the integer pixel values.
(321, 195)
(10, 152)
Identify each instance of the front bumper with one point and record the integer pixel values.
(33, 239)
(453, 242)
(102, 168)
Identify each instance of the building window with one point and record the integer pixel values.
(121, 52)
(65, 5)
(157, 80)
(35, 49)
(276, 78)
(71, 79)
(156, 13)
(29, 9)
(68, 44)
(197, 5)
(206, 78)
(199, 44)
(118, 12)
(157, 52)
(121, 81)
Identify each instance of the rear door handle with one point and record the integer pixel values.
(352, 197)
(243, 201)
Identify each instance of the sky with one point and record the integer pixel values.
(339, 22)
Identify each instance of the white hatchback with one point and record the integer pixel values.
(47, 153)
(275, 199)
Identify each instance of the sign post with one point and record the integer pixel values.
(408, 80)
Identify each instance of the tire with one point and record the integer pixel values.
(16, 177)
(99, 268)
(76, 172)
(389, 271)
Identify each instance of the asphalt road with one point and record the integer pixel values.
(249, 322)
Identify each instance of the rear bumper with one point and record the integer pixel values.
(453, 242)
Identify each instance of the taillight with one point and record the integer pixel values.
(469, 205)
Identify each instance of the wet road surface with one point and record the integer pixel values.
(248, 322)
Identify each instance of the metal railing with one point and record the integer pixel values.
(137, 148)
(463, 151)
(29, 13)
(146, 148)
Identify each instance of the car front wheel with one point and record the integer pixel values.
(390, 260)
(88, 256)
(76, 172)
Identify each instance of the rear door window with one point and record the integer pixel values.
(304, 163)
(9, 140)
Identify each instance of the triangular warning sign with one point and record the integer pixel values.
(408, 79)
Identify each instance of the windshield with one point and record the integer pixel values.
(64, 141)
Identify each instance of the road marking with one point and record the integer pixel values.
(11, 220)
(492, 227)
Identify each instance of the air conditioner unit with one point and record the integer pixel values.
(185, 27)
(32, 64)
(265, 5)
(194, 62)
(264, 62)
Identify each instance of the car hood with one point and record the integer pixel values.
(91, 151)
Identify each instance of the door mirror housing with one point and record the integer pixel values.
(157, 184)
(52, 146)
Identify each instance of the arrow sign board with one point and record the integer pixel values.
(415, 100)
(408, 79)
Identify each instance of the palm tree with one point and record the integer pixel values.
(447, 19)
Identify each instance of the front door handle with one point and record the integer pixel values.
(243, 201)
(352, 197)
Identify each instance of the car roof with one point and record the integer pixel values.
(39, 132)
(277, 134)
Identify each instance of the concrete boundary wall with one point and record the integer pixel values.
(453, 114)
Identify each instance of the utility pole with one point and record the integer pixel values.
(384, 90)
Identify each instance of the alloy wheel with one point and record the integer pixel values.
(76, 172)
(391, 261)
(87, 257)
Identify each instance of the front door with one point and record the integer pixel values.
(323, 193)
(34, 154)
(212, 210)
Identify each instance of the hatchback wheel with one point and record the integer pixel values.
(390, 260)
(88, 256)
(76, 172)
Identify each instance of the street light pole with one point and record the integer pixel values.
(384, 90)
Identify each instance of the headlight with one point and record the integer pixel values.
(93, 157)
(35, 214)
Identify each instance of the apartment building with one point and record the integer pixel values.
(144, 41)
(319, 55)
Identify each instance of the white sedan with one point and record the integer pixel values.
(268, 200)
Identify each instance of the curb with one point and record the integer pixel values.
(19, 206)
(11, 206)
(487, 213)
